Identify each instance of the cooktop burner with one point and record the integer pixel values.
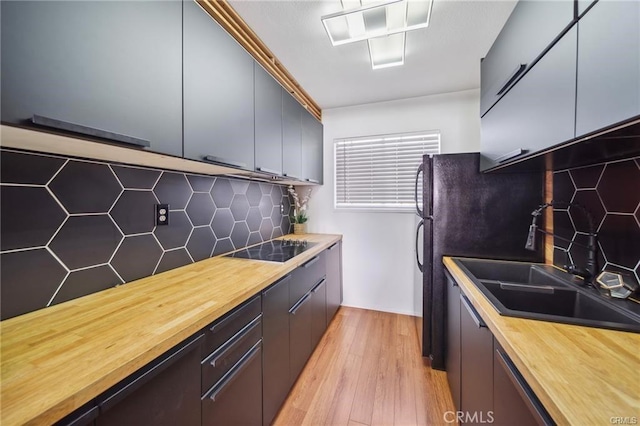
(274, 251)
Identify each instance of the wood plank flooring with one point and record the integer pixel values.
(367, 370)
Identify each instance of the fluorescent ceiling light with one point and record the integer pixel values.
(373, 20)
(387, 51)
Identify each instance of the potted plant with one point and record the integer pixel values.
(299, 217)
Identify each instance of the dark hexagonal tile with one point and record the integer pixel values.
(86, 241)
(254, 194)
(173, 259)
(137, 257)
(286, 201)
(562, 227)
(86, 187)
(579, 252)
(277, 232)
(28, 217)
(285, 225)
(134, 212)
(239, 186)
(276, 216)
(222, 193)
(266, 188)
(638, 267)
(560, 257)
(201, 209)
(173, 189)
(222, 223)
(17, 167)
(239, 207)
(87, 281)
(201, 243)
(240, 235)
(254, 219)
(590, 200)
(266, 205)
(254, 238)
(200, 183)
(587, 177)
(223, 246)
(176, 233)
(619, 185)
(29, 280)
(620, 239)
(136, 178)
(266, 228)
(563, 188)
(276, 196)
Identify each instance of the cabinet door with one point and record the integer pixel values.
(291, 136)
(311, 148)
(268, 121)
(608, 65)
(300, 336)
(104, 69)
(531, 27)
(334, 279)
(318, 312)
(237, 399)
(275, 335)
(166, 393)
(476, 356)
(538, 112)
(218, 93)
(452, 361)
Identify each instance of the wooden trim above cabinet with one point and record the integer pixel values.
(222, 12)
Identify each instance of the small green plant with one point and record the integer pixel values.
(300, 205)
(300, 217)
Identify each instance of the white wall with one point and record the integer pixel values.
(378, 248)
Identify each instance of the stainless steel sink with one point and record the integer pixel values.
(545, 293)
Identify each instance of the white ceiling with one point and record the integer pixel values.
(445, 57)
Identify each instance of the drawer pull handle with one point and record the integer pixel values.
(270, 171)
(317, 286)
(235, 371)
(311, 262)
(222, 351)
(312, 180)
(222, 324)
(301, 302)
(291, 176)
(510, 155)
(334, 245)
(512, 78)
(219, 160)
(89, 131)
(474, 314)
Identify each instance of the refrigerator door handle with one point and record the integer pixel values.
(420, 264)
(420, 170)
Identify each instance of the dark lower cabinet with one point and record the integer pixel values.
(105, 69)
(318, 312)
(300, 336)
(167, 392)
(334, 279)
(476, 362)
(237, 398)
(275, 350)
(452, 360)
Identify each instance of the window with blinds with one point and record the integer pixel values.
(378, 173)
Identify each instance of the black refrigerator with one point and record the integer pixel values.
(470, 214)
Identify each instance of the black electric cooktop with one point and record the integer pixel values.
(274, 251)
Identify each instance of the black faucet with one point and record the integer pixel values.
(589, 272)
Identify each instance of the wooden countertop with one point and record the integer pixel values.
(582, 375)
(56, 359)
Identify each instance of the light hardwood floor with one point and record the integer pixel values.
(367, 370)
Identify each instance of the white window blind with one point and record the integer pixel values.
(378, 173)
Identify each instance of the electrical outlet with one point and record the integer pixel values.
(282, 208)
(162, 214)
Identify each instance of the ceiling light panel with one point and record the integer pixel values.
(387, 51)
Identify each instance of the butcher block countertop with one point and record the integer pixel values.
(582, 375)
(56, 359)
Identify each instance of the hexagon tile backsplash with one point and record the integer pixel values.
(73, 227)
(611, 193)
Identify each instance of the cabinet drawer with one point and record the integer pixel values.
(224, 329)
(306, 276)
(531, 28)
(227, 355)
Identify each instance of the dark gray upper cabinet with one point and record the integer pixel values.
(110, 69)
(608, 65)
(268, 121)
(538, 112)
(291, 136)
(531, 27)
(218, 93)
(311, 148)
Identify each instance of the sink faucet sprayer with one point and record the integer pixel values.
(591, 269)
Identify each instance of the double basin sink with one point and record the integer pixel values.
(542, 292)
